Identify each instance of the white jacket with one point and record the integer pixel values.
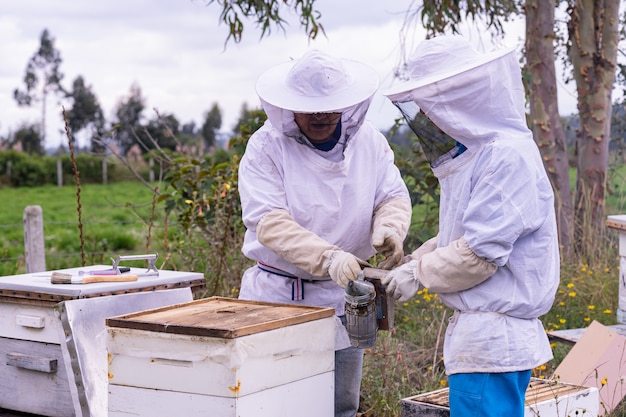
(335, 199)
(498, 197)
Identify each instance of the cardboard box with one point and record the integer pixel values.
(597, 360)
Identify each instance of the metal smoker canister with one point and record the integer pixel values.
(361, 313)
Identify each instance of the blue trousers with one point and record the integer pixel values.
(348, 372)
(488, 394)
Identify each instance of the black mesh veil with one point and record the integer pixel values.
(433, 141)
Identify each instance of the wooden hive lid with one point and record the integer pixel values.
(226, 318)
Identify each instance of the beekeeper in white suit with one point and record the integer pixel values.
(320, 194)
(495, 260)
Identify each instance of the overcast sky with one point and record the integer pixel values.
(175, 51)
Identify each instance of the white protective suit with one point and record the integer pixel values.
(496, 196)
(327, 194)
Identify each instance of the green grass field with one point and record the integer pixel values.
(113, 221)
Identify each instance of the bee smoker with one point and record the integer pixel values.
(361, 313)
(368, 308)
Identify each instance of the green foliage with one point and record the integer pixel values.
(265, 14)
(407, 360)
(440, 16)
(202, 196)
(18, 169)
(211, 126)
(21, 170)
(423, 188)
(30, 139)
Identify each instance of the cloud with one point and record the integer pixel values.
(175, 51)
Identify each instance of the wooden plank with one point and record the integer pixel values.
(221, 317)
(571, 336)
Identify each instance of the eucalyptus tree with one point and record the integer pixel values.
(84, 113)
(593, 38)
(41, 78)
(266, 14)
(129, 114)
(211, 125)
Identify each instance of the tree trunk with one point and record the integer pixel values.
(592, 48)
(544, 112)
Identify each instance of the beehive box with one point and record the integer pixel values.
(544, 398)
(49, 362)
(222, 357)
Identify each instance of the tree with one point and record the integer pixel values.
(41, 78)
(211, 126)
(593, 31)
(85, 112)
(160, 132)
(129, 114)
(545, 120)
(28, 136)
(245, 114)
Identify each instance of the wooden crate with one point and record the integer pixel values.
(544, 398)
(222, 356)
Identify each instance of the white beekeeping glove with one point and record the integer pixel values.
(343, 267)
(402, 283)
(390, 225)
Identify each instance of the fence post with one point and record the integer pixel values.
(618, 223)
(105, 174)
(59, 173)
(151, 164)
(34, 249)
